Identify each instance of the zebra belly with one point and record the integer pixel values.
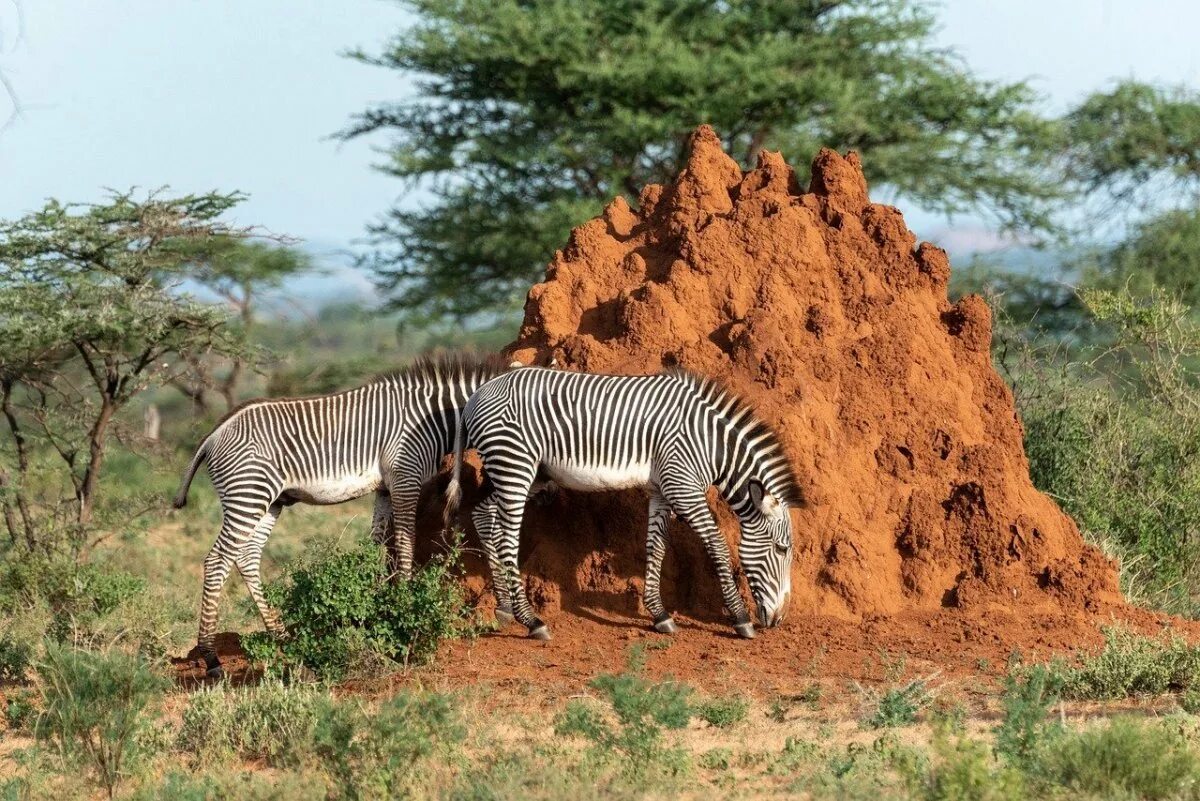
(592, 477)
(337, 489)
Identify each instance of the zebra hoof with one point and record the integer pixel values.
(665, 626)
(540, 633)
(215, 672)
(504, 618)
(745, 630)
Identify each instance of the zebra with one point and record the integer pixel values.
(387, 436)
(675, 433)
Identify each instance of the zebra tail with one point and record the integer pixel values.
(201, 454)
(454, 488)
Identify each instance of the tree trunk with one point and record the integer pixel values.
(152, 422)
(91, 476)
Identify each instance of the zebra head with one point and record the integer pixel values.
(766, 549)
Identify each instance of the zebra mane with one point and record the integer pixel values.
(441, 366)
(444, 366)
(773, 457)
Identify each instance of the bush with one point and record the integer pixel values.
(1115, 439)
(1129, 665)
(1025, 731)
(272, 722)
(15, 656)
(93, 705)
(341, 611)
(642, 709)
(723, 712)
(1124, 758)
(376, 754)
(897, 706)
(20, 710)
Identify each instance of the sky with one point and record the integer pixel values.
(245, 94)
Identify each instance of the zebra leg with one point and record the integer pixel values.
(249, 564)
(216, 569)
(693, 508)
(383, 532)
(656, 549)
(404, 519)
(484, 518)
(512, 481)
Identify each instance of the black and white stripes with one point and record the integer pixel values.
(675, 433)
(387, 437)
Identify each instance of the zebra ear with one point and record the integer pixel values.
(763, 501)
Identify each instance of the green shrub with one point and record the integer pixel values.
(244, 786)
(723, 712)
(643, 709)
(20, 710)
(341, 611)
(15, 656)
(376, 754)
(897, 706)
(964, 769)
(1124, 758)
(1025, 732)
(92, 708)
(272, 721)
(1115, 439)
(1129, 665)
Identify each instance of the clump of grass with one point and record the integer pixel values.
(272, 721)
(1124, 758)
(898, 705)
(1128, 665)
(723, 712)
(16, 654)
(640, 710)
(93, 707)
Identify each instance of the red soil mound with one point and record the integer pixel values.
(820, 308)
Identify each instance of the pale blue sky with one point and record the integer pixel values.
(243, 94)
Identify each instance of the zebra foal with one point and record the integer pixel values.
(387, 437)
(675, 433)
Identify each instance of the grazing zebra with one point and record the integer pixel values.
(675, 433)
(386, 437)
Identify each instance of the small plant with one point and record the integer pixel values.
(341, 611)
(723, 712)
(1129, 665)
(897, 706)
(92, 708)
(20, 710)
(1190, 701)
(15, 656)
(1124, 758)
(716, 759)
(643, 709)
(1022, 736)
(374, 755)
(272, 722)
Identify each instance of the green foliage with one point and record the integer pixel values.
(272, 721)
(963, 769)
(376, 754)
(341, 611)
(723, 712)
(16, 653)
(89, 320)
(1129, 665)
(244, 786)
(1117, 443)
(898, 706)
(642, 710)
(1161, 253)
(1023, 734)
(531, 116)
(1124, 758)
(20, 710)
(93, 707)
(1134, 141)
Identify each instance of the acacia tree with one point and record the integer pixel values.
(88, 320)
(237, 271)
(530, 114)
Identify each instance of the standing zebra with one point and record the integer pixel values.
(386, 437)
(675, 433)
